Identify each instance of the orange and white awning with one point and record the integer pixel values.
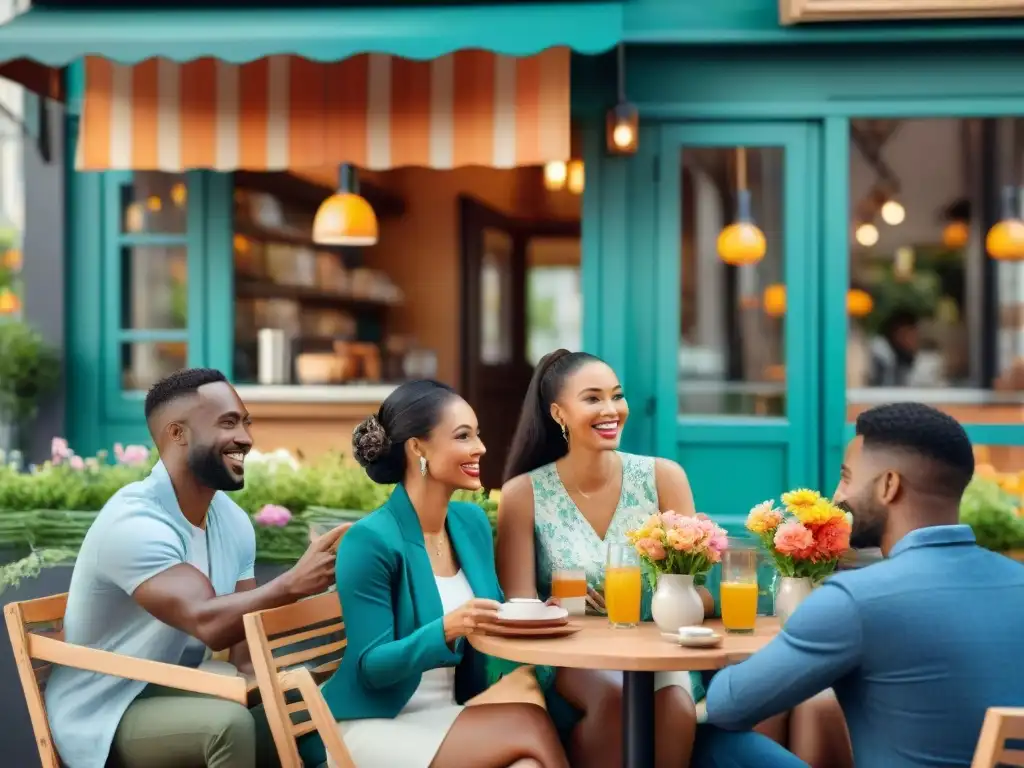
(282, 112)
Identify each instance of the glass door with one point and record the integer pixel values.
(737, 385)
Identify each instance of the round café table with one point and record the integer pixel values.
(638, 653)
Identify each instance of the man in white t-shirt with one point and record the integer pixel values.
(165, 572)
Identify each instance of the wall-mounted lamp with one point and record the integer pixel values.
(345, 218)
(622, 123)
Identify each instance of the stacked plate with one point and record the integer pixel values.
(531, 618)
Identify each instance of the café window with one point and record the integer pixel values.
(933, 316)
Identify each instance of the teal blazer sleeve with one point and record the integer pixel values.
(365, 576)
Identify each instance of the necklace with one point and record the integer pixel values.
(593, 492)
(438, 542)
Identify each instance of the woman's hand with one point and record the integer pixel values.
(467, 617)
(595, 601)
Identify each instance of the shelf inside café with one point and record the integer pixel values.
(263, 289)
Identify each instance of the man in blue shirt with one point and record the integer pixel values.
(165, 572)
(917, 646)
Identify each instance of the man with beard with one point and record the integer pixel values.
(165, 572)
(916, 646)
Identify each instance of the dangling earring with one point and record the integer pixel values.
(423, 466)
(565, 433)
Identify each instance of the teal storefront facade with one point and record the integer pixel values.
(703, 76)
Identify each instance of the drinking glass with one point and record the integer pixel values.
(569, 585)
(622, 585)
(739, 589)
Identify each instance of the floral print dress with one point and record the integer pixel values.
(565, 539)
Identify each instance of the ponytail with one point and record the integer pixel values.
(538, 440)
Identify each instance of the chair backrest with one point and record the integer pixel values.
(310, 634)
(43, 617)
(1002, 739)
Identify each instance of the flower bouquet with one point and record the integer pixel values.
(677, 550)
(805, 540)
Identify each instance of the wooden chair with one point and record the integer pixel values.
(295, 648)
(36, 628)
(1001, 724)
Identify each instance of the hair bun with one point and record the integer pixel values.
(370, 441)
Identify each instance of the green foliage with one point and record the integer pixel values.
(29, 371)
(53, 505)
(12, 574)
(992, 515)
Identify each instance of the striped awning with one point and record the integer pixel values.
(375, 111)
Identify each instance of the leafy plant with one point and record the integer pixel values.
(992, 514)
(12, 574)
(29, 371)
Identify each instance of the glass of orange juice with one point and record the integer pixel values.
(569, 585)
(622, 585)
(739, 589)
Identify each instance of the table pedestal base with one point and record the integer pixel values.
(638, 719)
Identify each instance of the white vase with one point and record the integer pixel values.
(676, 603)
(790, 591)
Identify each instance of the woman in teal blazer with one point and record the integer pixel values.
(415, 577)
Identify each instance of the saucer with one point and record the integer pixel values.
(694, 641)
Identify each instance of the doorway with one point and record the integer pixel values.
(737, 386)
(520, 298)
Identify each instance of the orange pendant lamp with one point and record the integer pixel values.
(345, 218)
(1005, 241)
(742, 242)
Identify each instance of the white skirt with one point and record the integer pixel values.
(410, 740)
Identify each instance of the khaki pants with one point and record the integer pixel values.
(168, 728)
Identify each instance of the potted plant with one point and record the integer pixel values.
(29, 371)
(805, 540)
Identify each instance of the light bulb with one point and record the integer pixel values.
(867, 234)
(893, 213)
(555, 174)
(622, 136)
(575, 174)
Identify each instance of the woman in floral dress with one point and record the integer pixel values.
(568, 492)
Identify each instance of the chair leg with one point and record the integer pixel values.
(320, 714)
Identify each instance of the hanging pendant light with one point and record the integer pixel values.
(345, 218)
(742, 242)
(1005, 241)
(622, 122)
(859, 303)
(774, 300)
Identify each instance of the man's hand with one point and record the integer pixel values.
(314, 572)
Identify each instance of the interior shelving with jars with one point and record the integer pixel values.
(322, 312)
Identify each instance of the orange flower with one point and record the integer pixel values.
(832, 539)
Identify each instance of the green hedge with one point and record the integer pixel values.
(53, 505)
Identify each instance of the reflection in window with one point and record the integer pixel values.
(554, 300)
(943, 322)
(143, 364)
(731, 355)
(495, 298)
(154, 290)
(154, 203)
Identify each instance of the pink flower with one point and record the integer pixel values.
(59, 450)
(794, 539)
(651, 548)
(132, 456)
(273, 515)
(670, 519)
(76, 462)
(719, 543)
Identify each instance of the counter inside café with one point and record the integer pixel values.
(310, 420)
